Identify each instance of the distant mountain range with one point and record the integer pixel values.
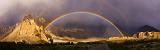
(147, 28)
(80, 30)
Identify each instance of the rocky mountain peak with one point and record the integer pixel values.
(28, 31)
(147, 28)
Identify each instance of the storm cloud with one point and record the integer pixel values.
(128, 15)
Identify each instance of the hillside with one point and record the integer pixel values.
(28, 31)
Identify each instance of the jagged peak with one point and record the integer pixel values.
(27, 30)
(29, 16)
(147, 28)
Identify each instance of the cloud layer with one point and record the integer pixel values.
(127, 14)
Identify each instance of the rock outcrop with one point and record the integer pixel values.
(28, 31)
(143, 35)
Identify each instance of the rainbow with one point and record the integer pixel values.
(86, 13)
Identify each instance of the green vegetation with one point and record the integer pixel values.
(55, 46)
(145, 44)
(127, 45)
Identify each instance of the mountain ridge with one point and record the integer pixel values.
(27, 30)
(147, 28)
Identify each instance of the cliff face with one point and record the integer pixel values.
(143, 35)
(28, 31)
(147, 31)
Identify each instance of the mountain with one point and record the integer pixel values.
(80, 31)
(28, 31)
(147, 32)
(147, 28)
(2, 30)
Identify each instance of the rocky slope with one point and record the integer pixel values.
(28, 31)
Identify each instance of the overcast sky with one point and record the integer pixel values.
(127, 14)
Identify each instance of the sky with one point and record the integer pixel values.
(128, 15)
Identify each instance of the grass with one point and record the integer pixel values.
(145, 44)
(56, 46)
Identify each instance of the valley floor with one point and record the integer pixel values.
(127, 45)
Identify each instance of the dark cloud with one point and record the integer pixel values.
(139, 12)
(127, 14)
